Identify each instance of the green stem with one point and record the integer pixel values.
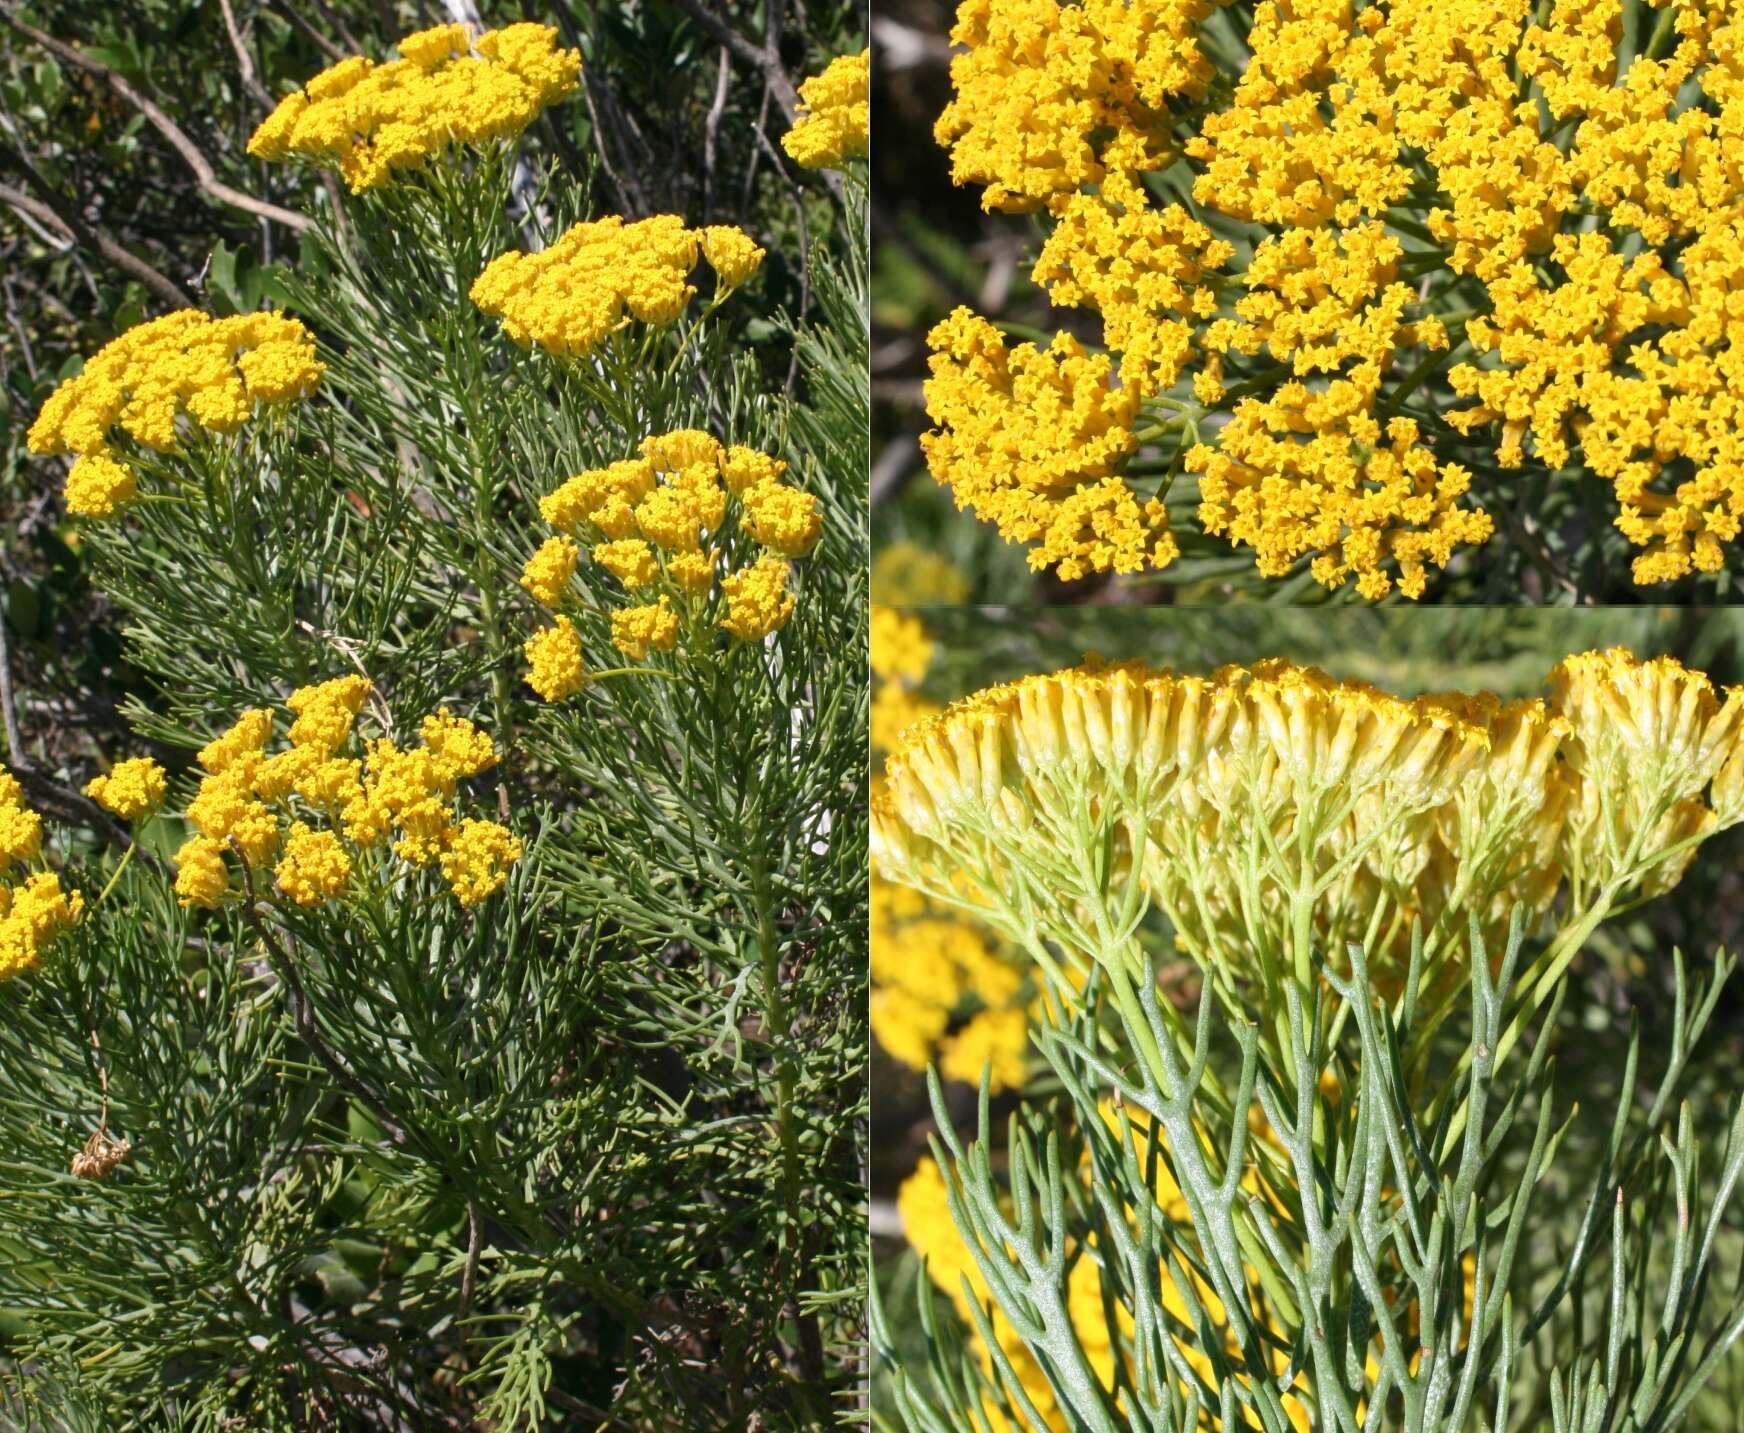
(487, 589)
(120, 866)
(778, 1021)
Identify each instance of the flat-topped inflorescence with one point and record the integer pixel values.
(343, 797)
(1289, 251)
(602, 275)
(380, 122)
(1264, 807)
(163, 381)
(699, 535)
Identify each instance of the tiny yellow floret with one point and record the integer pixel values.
(476, 863)
(758, 599)
(314, 867)
(638, 630)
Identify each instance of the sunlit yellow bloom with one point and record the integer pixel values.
(759, 600)
(248, 737)
(326, 711)
(596, 277)
(459, 749)
(132, 789)
(835, 116)
(20, 834)
(692, 572)
(630, 560)
(1381, 154)
(731, 253)
(638, 630)
(98, 486)
(36, 913)
(161, 380)
(1031, 439)
(201, 875)
(581, 498)
(781, 518)
(376, 122)
(555, 654)
(683, 448)
(476, 863)
(314, 867)
(549, 569)
(743, 468)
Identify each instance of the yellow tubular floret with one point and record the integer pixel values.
(1392, 812)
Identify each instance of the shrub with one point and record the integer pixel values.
(473, 1037)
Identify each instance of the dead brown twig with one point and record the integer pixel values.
(204, 174)
(47, 207)
(765, 58)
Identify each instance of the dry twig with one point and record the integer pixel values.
(204, 174)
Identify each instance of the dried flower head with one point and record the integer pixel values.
(101, 1156)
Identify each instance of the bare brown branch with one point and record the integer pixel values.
(244, 59)
(48, 207)
(766, 61)
(204, 175)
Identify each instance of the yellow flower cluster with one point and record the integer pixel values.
(215, 373)
(1632, 353)
(905, 574)
(1475, 138)
(1639, 367)
(943, 992)
(556, 668)
(362, 791)
(36, 910)
(602, 275)
(933, 969)
(666, 526)
(835, 119)
(1230, 801)
(1029, 439)
(900, 652)
(377, 122)
(132, 790)
(1052, 98)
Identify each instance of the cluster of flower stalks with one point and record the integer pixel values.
(447, 1024)
(1373, 282)
(1314, 1206)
